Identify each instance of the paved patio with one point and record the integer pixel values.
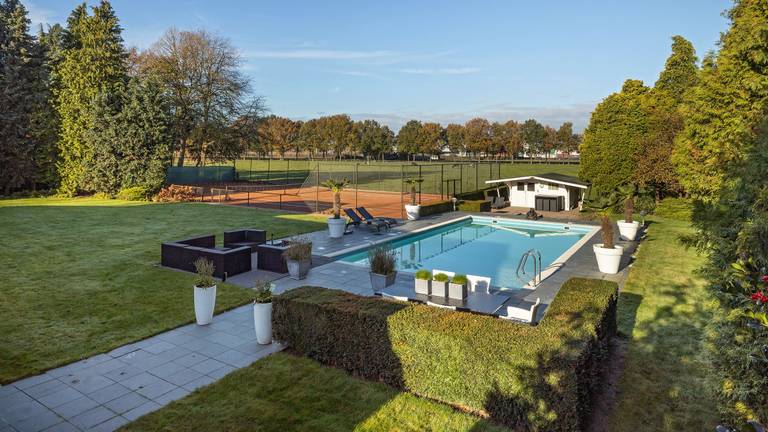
(108, 390)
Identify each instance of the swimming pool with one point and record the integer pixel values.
(483, 246)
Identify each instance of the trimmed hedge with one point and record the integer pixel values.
(525, 377)
(435, 208)
(475, 206)
(135, 193)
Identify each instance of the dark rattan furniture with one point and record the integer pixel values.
(182, 254)
(244, 237)
(270, 257)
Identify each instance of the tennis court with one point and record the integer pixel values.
(312, 199)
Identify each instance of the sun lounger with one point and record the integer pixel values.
(369, 217)
(357, 221)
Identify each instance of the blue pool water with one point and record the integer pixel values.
(480, 246)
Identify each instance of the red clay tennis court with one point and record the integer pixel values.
(311, 199)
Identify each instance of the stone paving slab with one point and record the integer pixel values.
(106, 391)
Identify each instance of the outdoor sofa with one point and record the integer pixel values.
(182, 254)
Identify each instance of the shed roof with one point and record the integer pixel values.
(549, 178)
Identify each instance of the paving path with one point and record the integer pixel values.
(106, 391)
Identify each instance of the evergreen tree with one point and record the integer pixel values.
(680, 72)
(130, 138)
(615, 133)
(722, 158)
(23, 96)
(93, 63)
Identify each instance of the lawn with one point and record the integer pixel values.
(286, 393)
(663, 309)
(82, 277)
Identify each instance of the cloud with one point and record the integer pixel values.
(441, 71)
(357, 73)
(39, 16)
(318, 54)
(335, 89)
(549, 115)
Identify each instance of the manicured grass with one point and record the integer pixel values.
(286, 393)
(663, 309)
(81, 276)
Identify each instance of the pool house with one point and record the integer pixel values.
(544, 192)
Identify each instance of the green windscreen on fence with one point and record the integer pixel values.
(207, 174)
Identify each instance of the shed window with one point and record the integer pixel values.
(520, 186)
(531, 187)
(551, 186)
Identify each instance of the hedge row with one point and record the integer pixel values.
(435, 208)
(525, 377)
(474, 206)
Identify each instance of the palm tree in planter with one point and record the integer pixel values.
(382, 260)
(336, 225)
(205, 291)
(262, 311)
(628, 227)
(413, 209)
(607, 253)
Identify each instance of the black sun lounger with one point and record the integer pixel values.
(357, 221)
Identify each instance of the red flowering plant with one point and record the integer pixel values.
(754, 282)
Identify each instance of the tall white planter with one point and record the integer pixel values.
(336, 227)
(205, 302)
(628, 230)
(412, 211)
(608, 260)
(262, 322)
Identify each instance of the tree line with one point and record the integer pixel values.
(340, 136)
(702, 131)
(83, 113)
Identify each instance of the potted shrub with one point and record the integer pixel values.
(457, 287)
(262, 311)
(383, 273)
(608, 254)
(440, 285)
(628, 227)
(298, 257)
(336, 224)
(205, 291)
(413, 209)
(422, 281)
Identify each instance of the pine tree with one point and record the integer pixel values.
(23, 98)
(130, 138)
(93, 63)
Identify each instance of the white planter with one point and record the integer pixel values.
(336, 227)
(439, 289)
(608, 260)
(298, 269)
(421, 286)
(262, 322)
(628, 230)
(205, 302)
(457, 291)
(412, 211)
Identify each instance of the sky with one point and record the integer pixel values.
(444, 61)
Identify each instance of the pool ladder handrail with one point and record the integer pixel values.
(536, 266)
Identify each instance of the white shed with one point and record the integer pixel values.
(547, 192)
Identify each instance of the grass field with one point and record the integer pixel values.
(286, 393)
(663, 309)
(386, 176)
(81, 277)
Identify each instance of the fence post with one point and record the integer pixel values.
(420, 178)
(461, 180)
(357, 165)
(477, 177)
(442, 179)
(287, 170)
(402, 184)
(317, 187)
(248, 202)
(269, 167)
